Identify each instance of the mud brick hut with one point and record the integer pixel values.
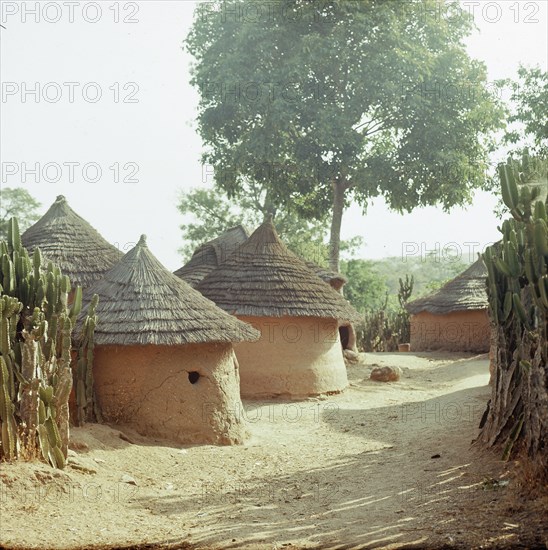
(299, 353)
(454, 318)
(163, 360)
(71, 243)
(211, 254)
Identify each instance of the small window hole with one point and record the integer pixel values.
(193, 377)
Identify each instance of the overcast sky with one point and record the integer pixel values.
(112, 123)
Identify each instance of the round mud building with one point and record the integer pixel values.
(163, 360)
(455, 317)
(299, 353)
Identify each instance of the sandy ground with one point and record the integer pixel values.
(383, 465)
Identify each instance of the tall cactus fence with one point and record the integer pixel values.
(383, 330)
(35, 355)
(517, 414)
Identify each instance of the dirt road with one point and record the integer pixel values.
(383, 465)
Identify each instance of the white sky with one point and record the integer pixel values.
(157, 133)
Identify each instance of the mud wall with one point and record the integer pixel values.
(456, 331)
(295, 357)
(186, 394)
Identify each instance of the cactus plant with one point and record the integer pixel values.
(84, 374)
(35, 353)
(403, 327)
(517, 287)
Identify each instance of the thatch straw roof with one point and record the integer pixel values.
(265, 279)
(141, 302)
(337, 280)
(465, 292)
(71, 243)
(210, 254)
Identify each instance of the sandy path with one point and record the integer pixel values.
(348, 471)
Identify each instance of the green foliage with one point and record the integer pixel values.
(529, 120)
(374, 286)
(429, 273)
(17, 202)
(35, 353)
(366, 289)
(372, 98)
(434, 286)
(212, 214)
(385, 328)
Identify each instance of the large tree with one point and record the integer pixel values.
(336, 101)
(528, 119)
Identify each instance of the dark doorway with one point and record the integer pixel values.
(344, 334)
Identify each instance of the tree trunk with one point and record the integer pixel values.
(268, 208)
(339, 188)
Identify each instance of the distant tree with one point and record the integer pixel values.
(365, 289)
(429, 273)
(209, 214)
(17, 202)
(329, 102)
(529, 118)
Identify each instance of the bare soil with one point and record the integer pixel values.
(382, 465)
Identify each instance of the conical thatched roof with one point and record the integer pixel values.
(465, 292)
(141, 302)
(71, 243)
(265, 279)
(209, 255)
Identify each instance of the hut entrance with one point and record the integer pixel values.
(347, 336)
(344, 334)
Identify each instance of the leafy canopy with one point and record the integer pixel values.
(17, 202)
(529, 118)
(380, 95)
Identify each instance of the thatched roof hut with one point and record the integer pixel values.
(465, 292)
(164, 352)
(211, 254)
(72, 243)
(455, 317)
(264, 280)
(141, 302)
